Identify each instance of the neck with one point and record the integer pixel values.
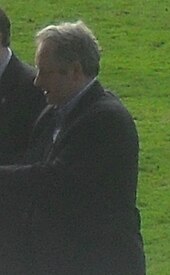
(3, 52)
(80, 85)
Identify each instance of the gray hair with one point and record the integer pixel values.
(74, 42)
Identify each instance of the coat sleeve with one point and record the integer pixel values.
(32, 218)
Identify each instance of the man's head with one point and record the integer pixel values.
(4, 29)
(67, 57)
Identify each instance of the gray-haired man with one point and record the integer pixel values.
(76, 204)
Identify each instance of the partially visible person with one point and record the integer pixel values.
(72, 210)
(20, 101)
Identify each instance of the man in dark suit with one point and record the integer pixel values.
(20, 101)
(72, 210)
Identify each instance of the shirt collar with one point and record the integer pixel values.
(4, 59)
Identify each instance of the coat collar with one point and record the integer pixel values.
(85, 102)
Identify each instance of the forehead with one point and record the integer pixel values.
(45, 53)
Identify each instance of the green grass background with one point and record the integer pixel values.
(135, 40)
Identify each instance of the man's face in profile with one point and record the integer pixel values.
(51, 77)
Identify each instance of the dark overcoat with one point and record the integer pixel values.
(20, 104)
(74, 211)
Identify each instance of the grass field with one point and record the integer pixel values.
(135, 40)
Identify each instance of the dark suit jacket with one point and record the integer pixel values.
(75, 211)
(20, 104)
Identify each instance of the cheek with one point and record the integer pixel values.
(49, 83)
(40, 81)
